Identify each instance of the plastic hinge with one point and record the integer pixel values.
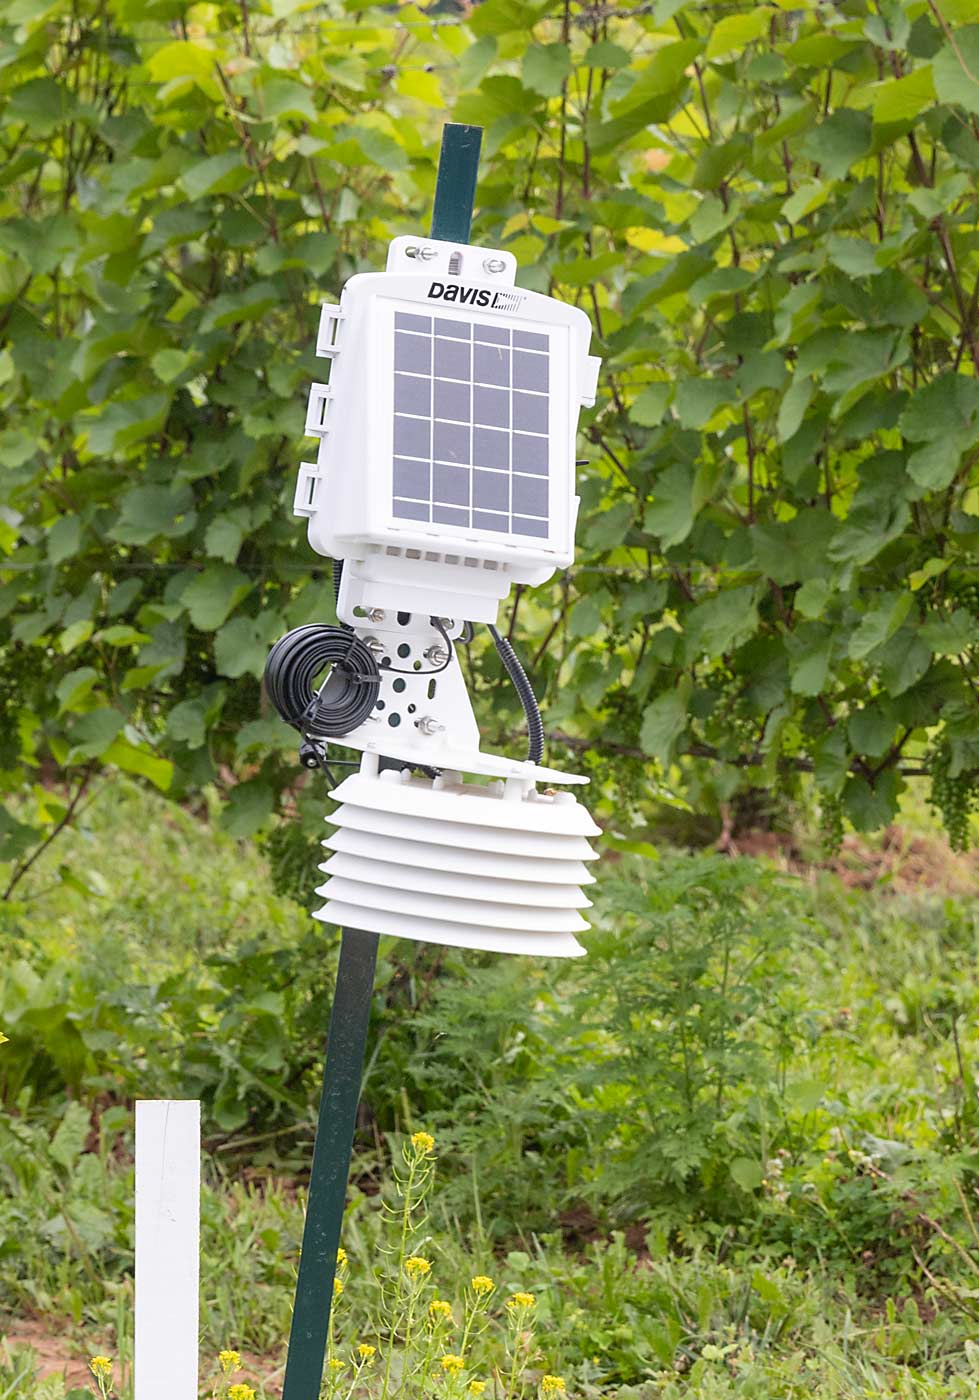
(307, 490)
(317, 410)
(329, 331)
(589, 386)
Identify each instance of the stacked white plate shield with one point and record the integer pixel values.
(497, 866)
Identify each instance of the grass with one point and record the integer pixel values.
(823, 1243)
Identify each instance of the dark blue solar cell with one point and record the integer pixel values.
(412, 394)
(451, 442)
(485, 521)
(530, 412)
(491, 407)
(449, 515)
(530, 453)
(458, 330)
(492, 335)
(527, 340)
(530, 495)
(524, 526)
(452, 359)
(403, 321)
(412, 478)
(413, 353)
(411, 510)
(453, 400)
(530, 371)
(491, 365)
(412, 436)
(450, 485)
(491, 448)
(491, 490)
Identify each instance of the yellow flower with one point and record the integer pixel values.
(337, 1287)
(230, 1361)
(482, 1284)
(422, 1143)
(341, 1257)
(520, 1300)
(452, 1364)
(3, 1038)
(417, 1267)
(238, 1391)
(101, 1366)
(553, 1385)
(476, 1387)
(366, 1352)
(438, 1307)
(335, 1364)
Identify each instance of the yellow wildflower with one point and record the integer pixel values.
(476, 1387)
(337, 1287)
(452, 1364)
(481, 1284)
(239, 1391)
(553, 1385)
(101, 1366)
(341, 1257)
(335, 1364)
(438, 1307)
(417, 1267)
(520, 1300)
(230, 1361)
(422, 1143)
(3, 1038)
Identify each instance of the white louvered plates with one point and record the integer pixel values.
(496, 867)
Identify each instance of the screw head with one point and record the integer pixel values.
(427, 254)
(494, 266)
(375, 614)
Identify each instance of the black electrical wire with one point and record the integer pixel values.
(348, 694)
(517, 674)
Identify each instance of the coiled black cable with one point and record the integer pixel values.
(517, 674)
(348, 694)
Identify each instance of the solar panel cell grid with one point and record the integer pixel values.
(471, 425)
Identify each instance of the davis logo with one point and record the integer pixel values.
(475, 296)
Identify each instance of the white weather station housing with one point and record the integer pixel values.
(444, 474)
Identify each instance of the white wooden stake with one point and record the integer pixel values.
(168, 1183)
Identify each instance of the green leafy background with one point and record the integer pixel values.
(770, 216)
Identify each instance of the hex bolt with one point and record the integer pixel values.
(428, 724)
(375, 646)
(435, 654)
(374, 614)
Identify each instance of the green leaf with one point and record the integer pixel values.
(839, 141)
(671, 514)
(871, 807)
(546, 68)
(242, 646)
(879, 623)
(810, 651)
(142, 762)
(74, 687)
(812, 597)
(248, 808)
(93, 732)
(731, 35)
(956, 70)
(792, 409)
(605, 54)
(223, 538)
(746, 1173)
(722, 623)
(697, 400)
(899, 100)
(187, 723)
(650, 404)
(64, 537)
(219, 174)
(213, 595)
(663, 723)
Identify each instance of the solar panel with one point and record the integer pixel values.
(471, 417)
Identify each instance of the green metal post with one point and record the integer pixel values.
(331, 1164)
(455, 189)
(455, 184)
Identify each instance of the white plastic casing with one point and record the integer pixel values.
(348, 495)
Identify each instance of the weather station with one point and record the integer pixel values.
(444, 474)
